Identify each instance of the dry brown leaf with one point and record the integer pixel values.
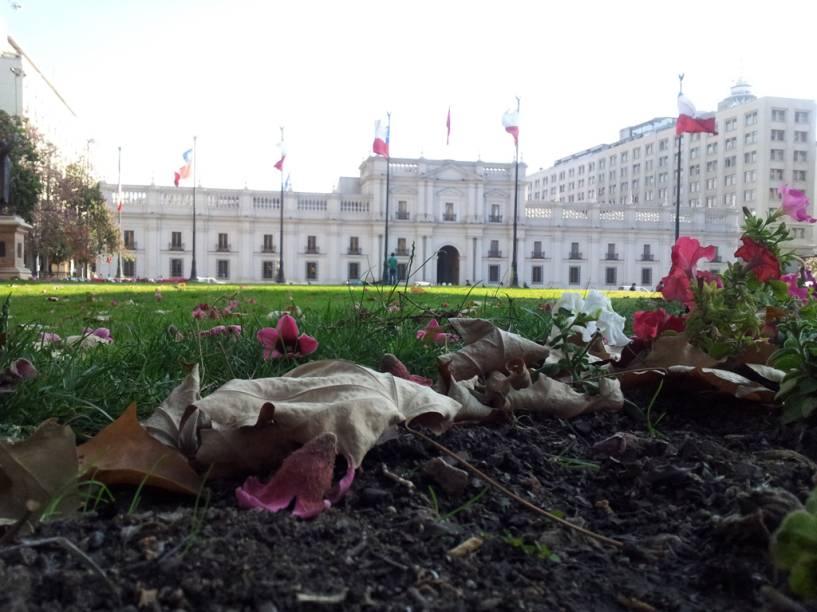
(163, 424)
(487, 349)
(674, 350)
(550, 396)
(124, 453)
(42, 468)
(701, 379)
(769, 373)
(249, 425)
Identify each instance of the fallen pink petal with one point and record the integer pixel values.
(304, 476)
(434, 333)
(283, 340)
(99, 332)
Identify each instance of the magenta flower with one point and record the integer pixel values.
(795, 204)
(220, 330)
(49, 337)
(200, 311)
(283, 340)
(99, 332)
(433, 333)
(795, 290)
(230, 307)
(305, 476)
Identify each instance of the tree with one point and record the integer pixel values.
(24, 153)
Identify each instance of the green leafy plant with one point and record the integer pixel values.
(794, 548)
(533, 549)
(798, 359)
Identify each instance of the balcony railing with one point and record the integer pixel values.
(401, 252)
(611, 257)
(449, 217)
(354, 251)
(537, 255)
(175, 246)
(494, 253)
(268, 249)
(495, 219)
(575, 255)
(130, 246)
(223, 248)
(312, 250)
(403, 215)
(647, 257)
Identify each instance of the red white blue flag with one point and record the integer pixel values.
(380, 146)
(184, 171)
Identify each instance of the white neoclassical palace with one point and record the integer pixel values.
(455, 216)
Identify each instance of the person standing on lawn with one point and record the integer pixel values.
(392, 269)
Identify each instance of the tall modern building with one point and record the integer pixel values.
(762, 143)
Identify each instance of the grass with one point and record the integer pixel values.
(89, 388)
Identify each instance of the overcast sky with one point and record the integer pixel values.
(150, 74)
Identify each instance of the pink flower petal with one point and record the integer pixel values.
(305, 476)
(288, 329)
(22, 368)
(307, 345)
(234, 330)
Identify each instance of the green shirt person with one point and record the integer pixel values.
(392, 270)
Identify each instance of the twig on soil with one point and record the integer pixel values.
(398, 479)
(73, 549)
(532, 507)
(388, 561)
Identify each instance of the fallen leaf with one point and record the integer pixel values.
(550, 396)
(488, 348)
(675, 350)
(355, 403)
(163, 424)
(769, 373)
(86, 341)
(700, 379)
(125, 453)
(42, 468)
(452, 479)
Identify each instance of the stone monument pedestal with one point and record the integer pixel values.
(13, 232)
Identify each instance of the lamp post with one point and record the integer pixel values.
(119, 210)
(280, 277)
(193, 274)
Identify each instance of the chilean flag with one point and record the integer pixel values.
(279, 165)
(689, 121)
(510, 120)
(380, 146)
(184, 171)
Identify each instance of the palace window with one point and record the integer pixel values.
(223, 268)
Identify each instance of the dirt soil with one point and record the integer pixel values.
(693, 506)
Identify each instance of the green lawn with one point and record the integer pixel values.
(88, 387)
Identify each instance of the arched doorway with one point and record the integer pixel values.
(448, 265)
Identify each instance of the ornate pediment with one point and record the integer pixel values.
(450, 192)
(452, 172)
(496, 194)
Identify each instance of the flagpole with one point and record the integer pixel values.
(193, 274)
(388, 172)
(119, 210)
(514, 276)
(280, 278)
(678, 179)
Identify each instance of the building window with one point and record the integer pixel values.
(801, 117)
(778, 115)
(710, 201)
(402, 209)
(574, 275)
(663, 145)
(774, 193)
(267, 246)
(312, 244)
(778, 135)
(729, 180)
(353, 270)
(693, 153)
(749, 176)
(750, 157)
(730, 162)
(609, 276)
(536, 275)
(800, 156)
(710, 183)
(799, 175)
(712, 148)
(575, 253)
(176, 268)
(750, 138)
(223, 243)
(312, 270)
(493, 274)
(776, 155)
(749, 195)
(731, 124)
(648, 149)
(730, 143)
(776, 174)
(354, 245)
(712, 166)
(129, 268)
(267, 270)
(223, 268)
(402, 271)
(800, 136)
(729, 199)
(128, 239)
(176, 241)
(646, 253)
(646, 277)
(750, 118)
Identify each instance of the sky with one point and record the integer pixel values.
(148, 75)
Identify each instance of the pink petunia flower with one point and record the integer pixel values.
(795, 290)
(220, 330)
(305, 476)
(283, 340)
(649, 324)
(795, 204)
(759, 260)
(686, 253)
(99, 332)
(433, 333)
